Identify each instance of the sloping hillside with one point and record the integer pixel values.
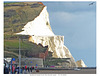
(22, 19)
(16, 15)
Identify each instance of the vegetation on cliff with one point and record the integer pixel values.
(16, 15)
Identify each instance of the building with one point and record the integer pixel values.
(24, 61)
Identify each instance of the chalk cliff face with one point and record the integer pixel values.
(80, 63)
(40, 26)
(41, 33)
(55, 45)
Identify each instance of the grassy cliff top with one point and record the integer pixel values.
(17, 14)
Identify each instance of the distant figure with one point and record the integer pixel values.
(16, 70)
(31, 68)
(28, 69)
(91, 3)
(22, 69)
(9, 70)
(36, 67)
(6, 70)
(25, 67)
(13, 69)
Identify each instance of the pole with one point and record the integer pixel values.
(11, 66)
(19, 58)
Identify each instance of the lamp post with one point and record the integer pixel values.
(21, 37)
(19, 58)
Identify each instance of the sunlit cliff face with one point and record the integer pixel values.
(40, 31)
(80, 63)
(40, 26)
(55, 45)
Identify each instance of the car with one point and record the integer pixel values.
(77, 69)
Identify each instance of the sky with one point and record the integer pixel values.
(76, 21)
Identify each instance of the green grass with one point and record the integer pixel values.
(27, 48)
(15, 44)
(15, 18)
(11, 43)
(7, 55)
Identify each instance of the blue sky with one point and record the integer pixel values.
(76, 21)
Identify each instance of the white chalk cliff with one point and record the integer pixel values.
(40, 26)
(55, 45)
(80, 63)
(40, 31)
